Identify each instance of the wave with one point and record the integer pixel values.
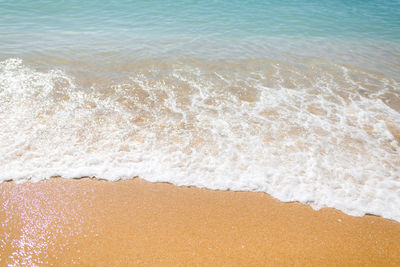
(323, 134)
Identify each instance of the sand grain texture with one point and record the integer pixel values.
(134, 222)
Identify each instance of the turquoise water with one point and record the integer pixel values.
(225, 19)
(194, 28)
(373, 19)
(298, 99)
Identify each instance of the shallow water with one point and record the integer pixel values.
(296, 99)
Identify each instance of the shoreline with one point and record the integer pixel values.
(97, 222)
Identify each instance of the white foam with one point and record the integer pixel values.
(326, 139)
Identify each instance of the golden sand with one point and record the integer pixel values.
(134, 222)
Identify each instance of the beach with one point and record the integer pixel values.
(93, 222)
(298, 100)
(236, 133)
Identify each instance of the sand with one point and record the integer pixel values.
(134, 222)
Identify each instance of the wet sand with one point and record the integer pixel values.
(134, 222)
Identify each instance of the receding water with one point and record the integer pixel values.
(299, 99)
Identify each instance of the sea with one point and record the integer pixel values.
(298, 99)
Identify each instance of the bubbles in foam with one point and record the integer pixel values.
(322, 134)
